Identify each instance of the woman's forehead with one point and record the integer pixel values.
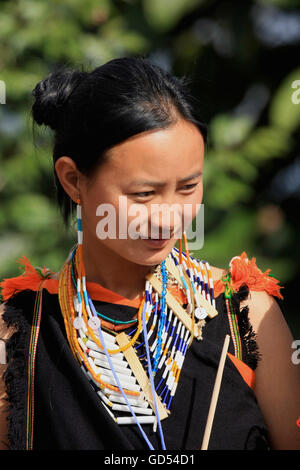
(160, 150)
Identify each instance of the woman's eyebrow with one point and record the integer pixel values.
(162, 183)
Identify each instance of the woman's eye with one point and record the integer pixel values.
(145, 194)
(149, 193)
(190, 186)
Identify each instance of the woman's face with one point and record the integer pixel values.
(155, 167)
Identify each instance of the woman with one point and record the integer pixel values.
(120, 349)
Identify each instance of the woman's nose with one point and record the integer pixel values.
(165, 220)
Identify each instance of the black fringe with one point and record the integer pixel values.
(15, 376)
(251, 354)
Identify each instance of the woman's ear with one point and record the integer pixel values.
(68, 175)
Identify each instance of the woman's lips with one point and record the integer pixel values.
(158, 243)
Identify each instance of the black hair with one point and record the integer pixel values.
(90, 112)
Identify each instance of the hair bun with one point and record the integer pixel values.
(51, 95)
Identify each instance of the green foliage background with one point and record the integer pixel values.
(243, 59)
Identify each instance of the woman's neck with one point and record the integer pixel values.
(107, 268)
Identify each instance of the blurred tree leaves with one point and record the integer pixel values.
(284, 113)
(280, 3)
(162, 16)
(229, 131)
(250, 142)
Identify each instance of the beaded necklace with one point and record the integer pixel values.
(136, 372)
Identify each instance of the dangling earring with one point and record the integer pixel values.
(81, 270)
(180, 249)
(72, 222)
(79, 222)
(82, 294)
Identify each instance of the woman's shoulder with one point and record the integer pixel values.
(5, 333)
(31, 279)
(242, 270)
(217, 273)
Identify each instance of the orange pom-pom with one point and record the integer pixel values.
(245, 271)
(30, 279)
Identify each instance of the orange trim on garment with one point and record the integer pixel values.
(246, 372)
(31, 280)
(245, 271)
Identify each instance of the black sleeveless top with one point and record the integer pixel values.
(68, 414)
